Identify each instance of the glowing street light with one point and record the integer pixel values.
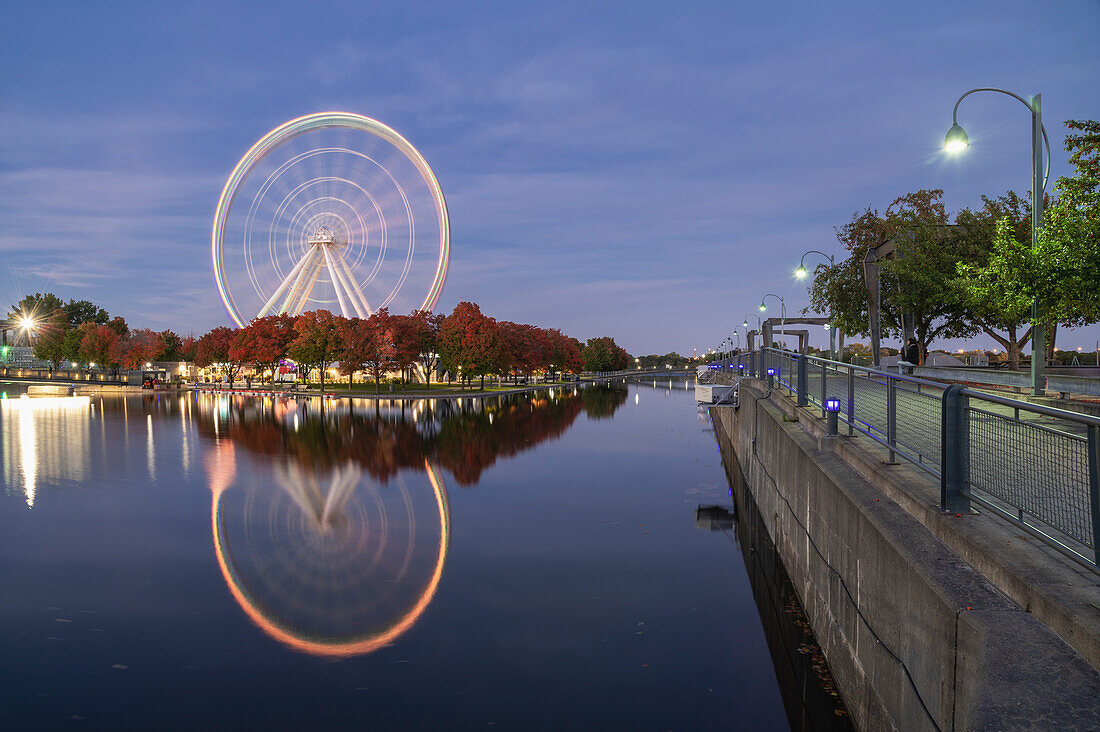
(801, 273)
(782, 314)
(957, 141)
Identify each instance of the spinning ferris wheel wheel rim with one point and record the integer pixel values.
(321, 121)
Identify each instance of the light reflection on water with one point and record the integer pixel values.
(43, 439)
(169, 559)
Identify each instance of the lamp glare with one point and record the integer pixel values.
(956, 140)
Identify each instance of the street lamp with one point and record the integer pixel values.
(782, 314)
(800, 273)
(745, 325)
(957, 141)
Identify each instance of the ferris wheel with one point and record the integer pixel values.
(332, 211)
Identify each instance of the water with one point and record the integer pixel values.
(192, 561)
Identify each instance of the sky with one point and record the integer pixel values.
(635, 169)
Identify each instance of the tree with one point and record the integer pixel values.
(424, 331)
(137, 348)
(1061, 271)
(187, 348)
(35, 306)
(563, 352)
(264, 342)
(118, 325)
(98, 345)
(603, 354)
(171, 344)
(367, 344)
(920, 279)
(316, 341)
(50, 343)
(1000, 312)
(469, 342)
(1067, 262)
(214, 347)
(79, 312)
(71, 346)
(403, 333)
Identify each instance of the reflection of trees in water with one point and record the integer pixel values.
(464, 437)
(600, 402)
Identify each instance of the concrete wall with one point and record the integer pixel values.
(916, 638)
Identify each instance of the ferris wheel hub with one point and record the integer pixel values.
(323, 237)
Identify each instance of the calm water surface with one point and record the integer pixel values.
(193, 561)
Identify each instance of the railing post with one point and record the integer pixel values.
(1094, 489)
(851, 401)
(891, 415)
(955, 450)
(824, 385)
(802, 400)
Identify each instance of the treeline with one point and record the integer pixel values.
(81, 332)
(467, 344)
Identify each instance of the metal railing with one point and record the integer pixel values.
(1037, 466)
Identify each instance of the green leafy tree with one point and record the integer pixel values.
(38, 305)
(920, 279)
(1000, 312)
(171, 344)
(603, 354)
(49, 345)
(80, 312)
(1062, 270)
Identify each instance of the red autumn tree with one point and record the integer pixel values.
(316, 340)
(358, 347)
(404, 334)
(424, 329)
(97, 344)
(469, 342)
(214, 348)
(264, 342)
(137, 348)
(564, 352)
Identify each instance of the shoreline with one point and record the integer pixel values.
(417, 395)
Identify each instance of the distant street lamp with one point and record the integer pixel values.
(782, 315)
(957, 141)
(800, 273)
(745, 325)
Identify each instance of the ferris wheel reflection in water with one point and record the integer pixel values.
(325, 560)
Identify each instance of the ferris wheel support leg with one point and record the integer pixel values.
(315, 272)
(336, 284)
(335, 262)
(290, 278)
(353, 286)
(300, 281)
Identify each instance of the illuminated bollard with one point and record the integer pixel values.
(771, 378)
(832, 409)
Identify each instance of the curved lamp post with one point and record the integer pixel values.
(801, 273)
(782, 314)
(759, 326)
(957, 141)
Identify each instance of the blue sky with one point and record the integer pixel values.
(641, 170)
